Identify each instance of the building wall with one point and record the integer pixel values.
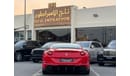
(106, 17)
(83, 17)
(19, 27)
(80, 18)
(19, 21)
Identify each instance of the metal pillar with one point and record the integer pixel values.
(25, 38)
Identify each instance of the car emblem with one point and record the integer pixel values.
(66, 54)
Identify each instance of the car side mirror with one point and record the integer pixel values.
(92, 46)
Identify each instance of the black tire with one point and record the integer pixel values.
(85, 71)
(27, 59)
(114, 64)
(44, 71)
(101, 64)
(35, 61)
(88, 71)
(18, 56)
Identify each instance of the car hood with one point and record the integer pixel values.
(109, 49)
(39, 49)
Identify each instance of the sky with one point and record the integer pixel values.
(38, 4)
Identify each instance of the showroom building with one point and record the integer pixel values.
(68, 23)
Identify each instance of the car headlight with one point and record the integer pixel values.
(32, 51)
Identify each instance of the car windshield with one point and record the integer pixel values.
(19, 43)
(84, 44)
(66, 46)
(112, 44)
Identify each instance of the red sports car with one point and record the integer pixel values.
(66, 57)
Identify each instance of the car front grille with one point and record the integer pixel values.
(109, 53)
(38, 52)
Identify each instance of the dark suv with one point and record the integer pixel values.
(23, 48)
(37, 52)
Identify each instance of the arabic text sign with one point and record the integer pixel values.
(52, 16)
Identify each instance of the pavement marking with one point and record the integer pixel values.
(94, 71)
(37, 73)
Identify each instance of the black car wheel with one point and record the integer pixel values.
(84, 70)
(18, 56)
(35, 61)
(44, 71)
(100, 63)
(88, 71)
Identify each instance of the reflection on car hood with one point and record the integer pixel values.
(39, 49)
(108, 49)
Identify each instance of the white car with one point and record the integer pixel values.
(108, 55)
(93, 47)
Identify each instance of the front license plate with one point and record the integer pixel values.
(66, 60)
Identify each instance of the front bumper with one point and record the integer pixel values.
(106, 59)
(37, 57)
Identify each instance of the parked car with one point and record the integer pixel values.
(65, 57)
(108, 55)
(23, 48)
(93, 47)
(15, 42)
(36, 54)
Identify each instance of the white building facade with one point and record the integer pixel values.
(68, 24)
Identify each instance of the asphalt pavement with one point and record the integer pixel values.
(106, 70)
(29, 68)
(26, 68)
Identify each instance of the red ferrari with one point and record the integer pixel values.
(66, 57)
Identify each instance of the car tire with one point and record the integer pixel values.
(35, 61)
(88, 71)
(101, 64)
(44, 71)
(18, 56)
(85, 71)
(114, 64)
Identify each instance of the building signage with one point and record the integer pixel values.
(52, 16)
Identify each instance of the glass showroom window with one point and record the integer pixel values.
(16, 34)
(19, 35)
(29, 35)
